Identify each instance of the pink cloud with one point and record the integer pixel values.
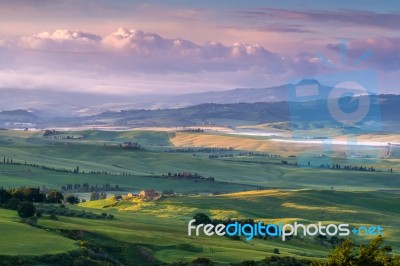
(126, 48)
(151, 44)
(60, 39)
(127, 59)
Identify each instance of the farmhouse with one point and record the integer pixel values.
(148, 194)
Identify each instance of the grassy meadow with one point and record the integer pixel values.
(245, 186)
(21, 239)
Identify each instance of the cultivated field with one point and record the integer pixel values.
(258, 179)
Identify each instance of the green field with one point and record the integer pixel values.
(308, 206)
(149, 232)
(161, 227)
(20, 239)
(97, 154)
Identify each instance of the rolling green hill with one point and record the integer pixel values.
(161, 226)
(151, 232)
(21, 239)
(98, 152)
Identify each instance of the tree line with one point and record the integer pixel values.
(205, 150)
(86, 187)
(189, 176)
(23, 199)
(76, 170)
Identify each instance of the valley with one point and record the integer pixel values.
(280, 182)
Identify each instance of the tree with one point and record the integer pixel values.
(55, 197)
(72, 199)
(343, 254)
(12, 204)
(28, 194)
(203, 262)
(94, 196)
(76, 170)
(201, 218)
(4, 196)
(26, 209)
(371, 254)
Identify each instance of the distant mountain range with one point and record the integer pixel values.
(384, 108)
(67, 104)
(229, 108)
(233, 115)
(18, 113)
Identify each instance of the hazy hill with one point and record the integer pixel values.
(228, 108)
(17, 113)
(18, 118)
(73, 103)
(385, 109)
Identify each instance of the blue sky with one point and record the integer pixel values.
(131, 47)
(380, 6)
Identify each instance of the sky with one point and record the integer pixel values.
(181, 46)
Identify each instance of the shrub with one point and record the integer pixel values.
(202, 262)
(55, 197)
(88, 215)
(201, 218)
(12, 204)
(372, 254)
(32, 220)
(26, 209)
(72, 199)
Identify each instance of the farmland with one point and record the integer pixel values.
(269, 185)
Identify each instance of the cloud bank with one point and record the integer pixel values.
(129, 61)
